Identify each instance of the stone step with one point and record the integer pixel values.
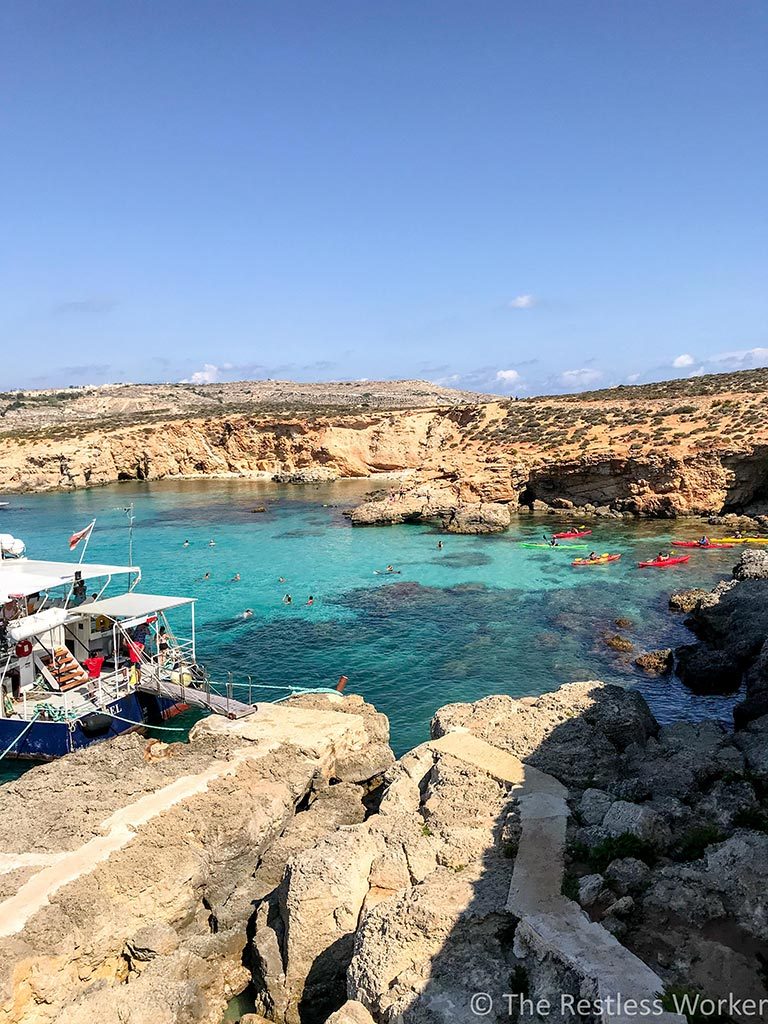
(550, 924)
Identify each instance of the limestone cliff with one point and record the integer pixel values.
(632, 451)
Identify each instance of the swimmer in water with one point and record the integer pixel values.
(206, 576)
(310, 600)
(235, 578)
(281, 579)
(248, 613)
(390, 568)
(211, 543)
(287, 599)
(185, 544)
(439, 545)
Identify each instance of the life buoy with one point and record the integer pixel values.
(23, 649)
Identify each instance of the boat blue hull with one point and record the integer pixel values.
(45, 741)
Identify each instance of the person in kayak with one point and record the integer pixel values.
(703, 541)
(552, 541)
(592, 556)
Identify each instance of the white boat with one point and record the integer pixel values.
(75, 670)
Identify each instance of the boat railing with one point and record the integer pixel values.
(244, 689)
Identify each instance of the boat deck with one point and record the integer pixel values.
(220, 705)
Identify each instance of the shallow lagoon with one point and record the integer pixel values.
(481, 615)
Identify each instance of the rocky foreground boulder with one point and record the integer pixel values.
(288, 856)
(731, 623)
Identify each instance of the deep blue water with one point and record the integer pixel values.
(483, 615)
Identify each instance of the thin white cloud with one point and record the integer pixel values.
(742, 358)
(522, 302)
(681, 361)
(582, 378)
(633, 378)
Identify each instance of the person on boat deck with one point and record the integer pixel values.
(135, 651)
(78, 589)
(93, 664)
(162, 645)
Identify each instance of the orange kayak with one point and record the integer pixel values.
(600, 560)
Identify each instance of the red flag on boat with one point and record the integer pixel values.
(75, 539)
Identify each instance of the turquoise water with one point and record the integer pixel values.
(483, 615)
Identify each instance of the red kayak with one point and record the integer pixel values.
(662, 563)
(569, 534)
(695, 544)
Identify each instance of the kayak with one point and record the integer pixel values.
(555, 547)
(571, 533)
(695, 544)
(662, 563)
(742, 540)
(600, 560)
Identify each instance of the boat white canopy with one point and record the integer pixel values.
(21, 584)
(130, 606)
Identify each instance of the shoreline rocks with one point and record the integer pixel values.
(731, 624)
(299, 860)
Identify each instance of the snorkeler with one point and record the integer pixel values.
(206, 575)
(287, 599)
(281, 579)
(235, 578)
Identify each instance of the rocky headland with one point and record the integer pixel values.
(465, 462)
(539, 847)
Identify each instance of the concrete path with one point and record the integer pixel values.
(551, 925)
(321, 736)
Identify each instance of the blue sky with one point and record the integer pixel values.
(518, 197)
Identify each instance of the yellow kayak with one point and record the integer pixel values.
(742, 540)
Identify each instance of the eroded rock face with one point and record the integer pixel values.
(160, 857)
(732, 625)
(480, 517)
(576, 733)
